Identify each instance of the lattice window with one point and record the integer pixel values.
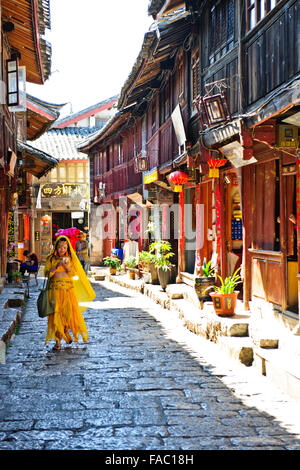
(257, 10)
(195, 76)
(221, 29)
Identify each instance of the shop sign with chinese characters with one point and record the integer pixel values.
(64, 190)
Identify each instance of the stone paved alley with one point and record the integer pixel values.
(142, 382)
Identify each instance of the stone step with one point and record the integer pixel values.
(99, 277)
(279, 367)
(238, 349)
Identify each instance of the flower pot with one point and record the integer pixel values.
(131, 275)
(164, 278)
(201, 284)
(224, 304)
(149, 268)
(112, 271)
(11, 267)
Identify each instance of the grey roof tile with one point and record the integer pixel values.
(62, 143)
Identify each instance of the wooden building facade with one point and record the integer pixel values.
(215, 83)
(251, 50)
(25, 56)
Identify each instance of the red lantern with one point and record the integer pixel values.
(214, 165)
(46, 219)
(178, 178)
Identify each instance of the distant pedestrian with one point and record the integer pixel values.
(82, 251)
(68, 286)
(30, 263)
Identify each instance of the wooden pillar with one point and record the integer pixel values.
(283, 245)
(181, 247)
(298, 229)
(246, 196)
(224, 233)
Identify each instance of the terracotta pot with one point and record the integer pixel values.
(112, 271)
(224, 304)
(131, 275)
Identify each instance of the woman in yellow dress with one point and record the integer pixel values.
(69, 285)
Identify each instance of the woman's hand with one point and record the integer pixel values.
(66, 264)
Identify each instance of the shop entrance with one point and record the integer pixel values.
(233, 225)
(291, 241)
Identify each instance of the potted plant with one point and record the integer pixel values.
(17, 276)
(147, 266)
(131, 265)
(112, 263)
(224, 296)
(161, 259)
(206, 279)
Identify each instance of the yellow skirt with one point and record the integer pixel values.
(67, 315)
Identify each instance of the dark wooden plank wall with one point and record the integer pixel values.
(272, 55)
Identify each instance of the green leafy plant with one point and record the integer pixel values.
(228, 285)
(161, 251)
(206, 269)
(16, 275)
(145, 257)
(131, 262)
(111, 262)
(12, 247)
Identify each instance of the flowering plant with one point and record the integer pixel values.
(11, 250)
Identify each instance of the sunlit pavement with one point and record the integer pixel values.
(141, 382)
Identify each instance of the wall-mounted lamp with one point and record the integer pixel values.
(213, 110)
(141, 162)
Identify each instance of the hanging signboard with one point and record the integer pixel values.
(178, 126)
(12, 163)
(64, 190)
(151, 176)
(234, 153)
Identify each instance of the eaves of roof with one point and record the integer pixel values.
(30, 18)
(40, 116)
(44, 106)
(90, 111)
(158, 7)
(160, 46)
(116, 123)
(40, 162)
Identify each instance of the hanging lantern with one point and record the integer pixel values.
(46, 219)
(214, 165)
(141, 162)
(178, 178)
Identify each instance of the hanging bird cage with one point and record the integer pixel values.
(214, 165)
(178, 178)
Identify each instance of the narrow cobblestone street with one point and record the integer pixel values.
(142, 382)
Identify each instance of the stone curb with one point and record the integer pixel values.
(12, 301)
(235, 336)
